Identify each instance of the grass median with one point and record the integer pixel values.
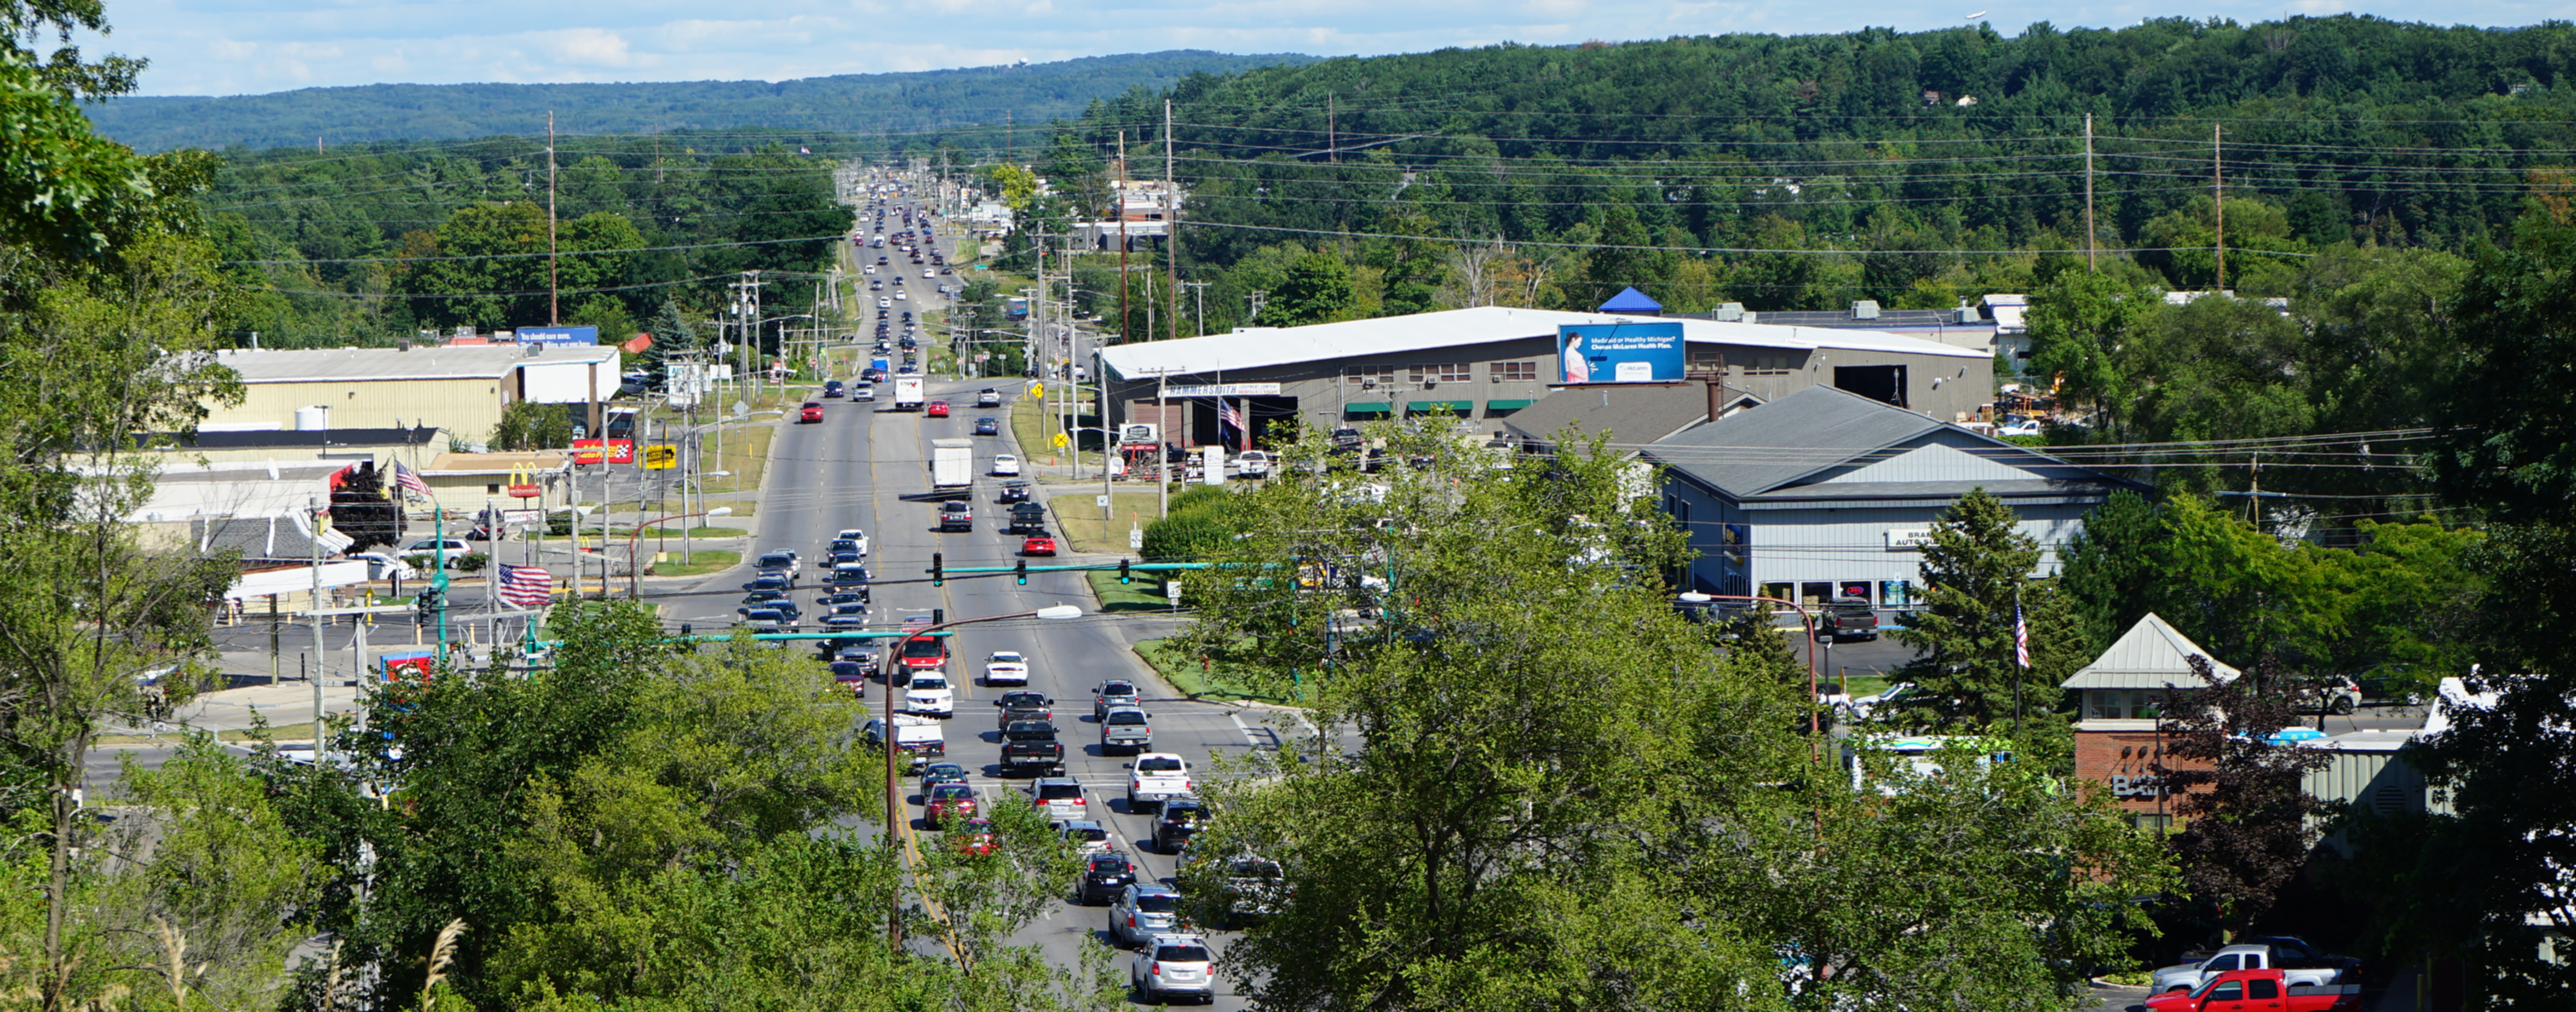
(1077, 517)
(701, 562)
(1213, 678)
(1146, 594)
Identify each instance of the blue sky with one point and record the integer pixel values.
(227, 47)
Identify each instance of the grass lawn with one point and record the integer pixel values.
(701, 562)
(1034, 429)
(276, 732)
(1146, 594)
(746, 452)
(1077, 517)
(1220, 681)
(695, 532)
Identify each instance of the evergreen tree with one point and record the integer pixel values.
(1974, 573)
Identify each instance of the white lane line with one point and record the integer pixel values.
(1239, 725)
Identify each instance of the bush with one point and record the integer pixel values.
(1182, 537)
(472, 562)
(1212, 499)
(421, 562)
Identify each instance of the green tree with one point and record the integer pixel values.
(528, 425)
(2078, 325)
(1976, 575)
(1315, 288)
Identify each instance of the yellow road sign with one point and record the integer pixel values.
(1037, 389)
(661, 458)
(1060, 440)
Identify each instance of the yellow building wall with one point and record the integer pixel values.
(468, 409)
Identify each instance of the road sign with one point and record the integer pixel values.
(1135, 539)
(1060, 440)
(1037, 389)
(1172, 590)
(661, 457)
(1101, 501)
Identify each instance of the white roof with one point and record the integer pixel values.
(325, 365)
(1322, 342)
(2008, 311)
(2151, 655)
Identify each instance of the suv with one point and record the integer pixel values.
(1030, 746)
(1142, 911)
(955, 515)
(1115, 692)
(1182, 818)
(1103, 877)
(782, 561)
(1168, 965)
(1060, 797)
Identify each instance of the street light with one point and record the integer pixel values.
(634, 578)
(895, 814)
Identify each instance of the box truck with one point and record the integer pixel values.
(952, 463)
(907, 393)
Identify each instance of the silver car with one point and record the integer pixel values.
(1142, 911)
(1173, 965)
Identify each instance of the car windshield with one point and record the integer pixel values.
(1006, 658)
(1127, 717)
(929, 683)
(1118, 689)
(1157, 903)
(943, 792)
(1181, 954)
(1159, 766)
(1058, 792)
(1183, 813)
(924, 647)
(1112, 865)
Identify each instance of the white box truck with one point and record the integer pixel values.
(907, 393)
(952, 463)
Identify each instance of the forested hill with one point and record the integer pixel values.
(926, 100)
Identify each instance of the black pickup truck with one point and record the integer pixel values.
(1030, 747)
(1846, 619)
(1026, 517)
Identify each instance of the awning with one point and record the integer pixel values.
(1507, 405)
(1368, 408)
(1458, 407)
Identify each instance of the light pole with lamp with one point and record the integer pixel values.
(634, 539)
(896, 815)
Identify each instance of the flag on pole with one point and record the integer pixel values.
(2021, 636)
(409, 481)
(527, 586)
(1226, 411)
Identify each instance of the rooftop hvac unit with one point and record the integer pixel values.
(1732, 311)
(1865, 309)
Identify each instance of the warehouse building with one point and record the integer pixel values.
(462, 388)
(1486, 363)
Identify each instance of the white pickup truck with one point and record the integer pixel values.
(2298, 963)
(1156, 777)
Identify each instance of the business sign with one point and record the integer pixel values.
(396, 665)
(1906, 539)
(587, 451)
(1619, 352)
(1225, 390)
(1139, 432)
(558, 335)
(661, 457)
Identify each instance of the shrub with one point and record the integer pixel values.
(472, 562)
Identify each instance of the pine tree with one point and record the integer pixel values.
(1973, 571)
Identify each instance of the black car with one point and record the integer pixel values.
(1023, 704)
(1182, 818)
(838, 558)
(786, 609)
(1103, 875)
(767, 582)
(988, 427)
(832, 388)
(1015, 491)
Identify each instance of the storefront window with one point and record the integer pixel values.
(1814, 593)
(1852, 590)
(1896, 593)
(1779, 591)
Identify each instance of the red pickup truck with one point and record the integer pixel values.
(2258, 991)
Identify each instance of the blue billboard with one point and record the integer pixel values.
(558, 335)
(1619, 352)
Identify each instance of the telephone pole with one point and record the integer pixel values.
(1118, 206)
(2089, 233)
(2218, 199)
(1171, 227)
(553, 314)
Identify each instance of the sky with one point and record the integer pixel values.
(233, 47)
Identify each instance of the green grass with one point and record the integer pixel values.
(746, 452)
(1198, 679)
(1146, 594)
(1861, 685)
(695, 532)
(1077, 518)
(701, 562)
(276, 732)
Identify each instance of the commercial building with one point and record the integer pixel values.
(1486, 363)
(1827, 494)
(463, 389)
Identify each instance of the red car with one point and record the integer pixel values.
(937, 409)
(944, 803)
(1037, 544)
(975, 836)
(813, 412)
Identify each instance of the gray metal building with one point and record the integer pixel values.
(1826, 494)
(1486, 363)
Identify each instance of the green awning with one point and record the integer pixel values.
(1368, 408)
(1456, 407)
(1507, 405)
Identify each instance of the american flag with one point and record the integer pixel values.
(2021, 636)
(527, 586)
(1232, 417)
(409, 481)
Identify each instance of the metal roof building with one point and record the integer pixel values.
(1488, 362)
(1826, 494)
(462, 389)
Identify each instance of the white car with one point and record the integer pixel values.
(1005, 465)
(872, 268)
(1006, 667)
(381, 566)
(2026, 427)
(928, 694)
(854, 534)
(886, 303)
(1169, 965)
(1253, 464)
(928, 273)
(898, 296)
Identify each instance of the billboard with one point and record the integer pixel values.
(587, 451)
(1619, 352)
(558, 335)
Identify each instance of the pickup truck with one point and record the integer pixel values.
(1126, 729)
(1030, 747)
(1846, 620)
(1155, 776)
(1026, 517)
(2258, 991)
(2303, 963)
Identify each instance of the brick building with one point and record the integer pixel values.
(2119, 734)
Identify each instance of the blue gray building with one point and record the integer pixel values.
(1826, 494)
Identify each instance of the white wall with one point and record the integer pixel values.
(566, 382)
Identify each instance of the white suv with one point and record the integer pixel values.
(1172, 965)
(1006, 667)
(928, 693)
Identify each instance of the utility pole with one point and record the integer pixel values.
(552, 294)
(313, 523)
(1332, 131)
(2089, 263)
(1171, 226)
(1198, 289)
(2218, 200)
(1118, 206)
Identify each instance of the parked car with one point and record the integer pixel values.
(1253, 464)
(2336, 694)
(384, 566)
(1173, 966)
(1006, 667)
(1846, 619)
(2258, 991)
(1142, 911)
(1103, 877)
(2303, 962)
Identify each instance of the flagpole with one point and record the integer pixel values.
(2021, 660)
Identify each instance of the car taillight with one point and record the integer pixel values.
(1131, 920)
(1158, 969)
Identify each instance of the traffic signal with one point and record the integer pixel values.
(428, 604)
(1123, 575)
(1022, 572)
(939, 616)
(935, 579)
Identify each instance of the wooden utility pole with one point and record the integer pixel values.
(1332, 132)
(553, 310)
(1118, 206)
(2218, 201)
(1171, 226)
(2089, 232)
